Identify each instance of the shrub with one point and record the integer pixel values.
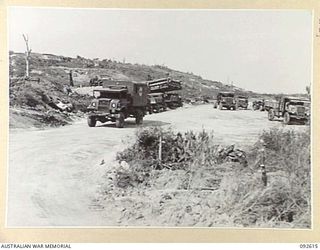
(288, 194)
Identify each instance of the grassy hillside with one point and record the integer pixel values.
(53, 73)
(57, 68)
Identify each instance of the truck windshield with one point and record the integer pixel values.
(111, 95)
(227, 95)
(297, 103)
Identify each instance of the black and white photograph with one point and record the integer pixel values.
(159, 118)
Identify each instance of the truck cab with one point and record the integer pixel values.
(241, 102)
(116, 103)
(156, 102)
(225, 100)
(291, 109)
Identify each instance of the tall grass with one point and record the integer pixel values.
(239, 195)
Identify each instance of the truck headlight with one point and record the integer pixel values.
(113, 105)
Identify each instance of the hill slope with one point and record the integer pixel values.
(54, 74)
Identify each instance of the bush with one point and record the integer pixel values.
(235, 195)
(286, 199)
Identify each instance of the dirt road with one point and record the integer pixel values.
(54, 173)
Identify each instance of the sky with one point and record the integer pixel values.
(263, 51)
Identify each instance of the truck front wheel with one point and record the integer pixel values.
(286, 118)
(271, 115)
(91, 121)
(120, 120)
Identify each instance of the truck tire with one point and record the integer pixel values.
(139, 117)
(120, 120)
(271, 115)
(157, 109)
(91, 121)
(164, 107)
(286, 118)
(307, 122)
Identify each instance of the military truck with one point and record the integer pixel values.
(173, 100)
(241, 102)
(118, 100)
(258, 105)
(156, 102)
(167, 86)
(269, 104)
(290, 109)
(225, 100)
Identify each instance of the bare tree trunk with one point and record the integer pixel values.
(28, 52)
(27, 66)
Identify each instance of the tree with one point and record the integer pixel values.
(28, 53)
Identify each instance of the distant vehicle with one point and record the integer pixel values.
(156, 102)
(269, 104)
(118, 100)
(225, 100)
(96, 81)
(60, 105)
(241, 102)
(173, 100)
(290, 109)
(258, 105)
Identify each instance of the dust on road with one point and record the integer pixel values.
(54, 174)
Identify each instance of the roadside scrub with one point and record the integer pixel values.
(192, 181)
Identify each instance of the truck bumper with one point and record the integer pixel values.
(108, 116)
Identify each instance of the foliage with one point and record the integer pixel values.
(238, 196)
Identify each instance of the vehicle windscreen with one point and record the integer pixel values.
(300, 103)
(110, 95)
(227, 95)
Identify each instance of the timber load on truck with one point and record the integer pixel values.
(118, 100)
(167, 86)
(164, 85)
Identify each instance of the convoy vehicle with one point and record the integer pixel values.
(258, 105)
(290, 109)
(225, 100)
(156, 102)
(241, 102)
(173, 100)
(118, 100)
(269, 104)
(167, 86)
